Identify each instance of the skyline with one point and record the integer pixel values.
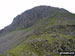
(10, 9)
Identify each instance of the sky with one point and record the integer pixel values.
(11, 8)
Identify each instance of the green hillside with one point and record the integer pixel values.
(46, 37)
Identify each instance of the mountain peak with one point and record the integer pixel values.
(29, 17)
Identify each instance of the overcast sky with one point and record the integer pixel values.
(11, 8)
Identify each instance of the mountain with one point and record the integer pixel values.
(29, 17)
(40, 31)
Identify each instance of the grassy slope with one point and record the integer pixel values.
(45, 40)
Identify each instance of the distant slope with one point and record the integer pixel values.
(40, 31)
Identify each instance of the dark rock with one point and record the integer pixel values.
(44, 41)
(60, 27)
(55, 36)
(1, 31)
(71, 26)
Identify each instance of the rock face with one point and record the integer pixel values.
(1, 31)
(29, 17)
